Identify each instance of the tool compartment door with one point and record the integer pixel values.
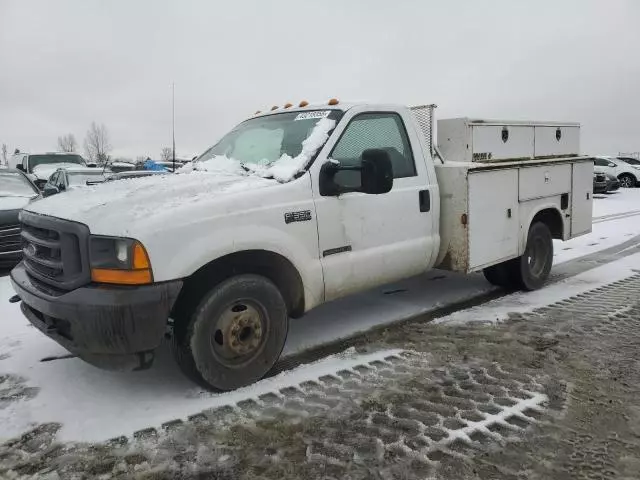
(493, 217)
(582, 198)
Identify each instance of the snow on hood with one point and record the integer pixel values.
(121, 205)
(44, 171)
(13, 203)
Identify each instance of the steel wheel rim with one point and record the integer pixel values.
(240, 333)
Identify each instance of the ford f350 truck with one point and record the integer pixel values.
(293, 208)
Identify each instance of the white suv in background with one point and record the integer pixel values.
(627, 174)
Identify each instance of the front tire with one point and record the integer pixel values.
(236, 334)
(627, 181)
(532, 269)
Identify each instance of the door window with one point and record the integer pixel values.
(602, 162)
(373, 130)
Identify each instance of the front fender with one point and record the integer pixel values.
(206, 247)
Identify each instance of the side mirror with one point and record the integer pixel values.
(20, 167)
(49, 190)
(611, 164)
(377, 171)
(376, 174)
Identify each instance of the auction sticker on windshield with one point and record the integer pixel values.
(316, 114)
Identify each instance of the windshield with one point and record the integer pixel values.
(15, 185)
(276, 146)
(35, 160)
(76, 179)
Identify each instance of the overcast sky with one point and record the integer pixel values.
(64, 64)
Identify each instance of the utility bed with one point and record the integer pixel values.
(486, 208)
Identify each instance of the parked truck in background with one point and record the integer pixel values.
(40, 166)
(293, 208)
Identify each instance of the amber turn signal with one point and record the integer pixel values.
(121, 277)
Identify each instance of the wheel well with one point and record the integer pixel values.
(552, 219)
(627, 174)
(271, 265)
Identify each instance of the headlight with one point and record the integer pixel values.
(119, 260)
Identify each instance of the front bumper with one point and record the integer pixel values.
(600, 187)
(108, 326)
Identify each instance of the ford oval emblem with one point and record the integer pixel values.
(31, 249)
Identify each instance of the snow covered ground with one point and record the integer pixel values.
(93, 404)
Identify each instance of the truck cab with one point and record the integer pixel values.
(292, 208)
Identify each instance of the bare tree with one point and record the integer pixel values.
(67, 143)
(166, 155)
(96, 144)
(4, 154)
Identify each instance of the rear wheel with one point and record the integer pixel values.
(532, 269)
(235, 335)
(627, 181)
(499, 275)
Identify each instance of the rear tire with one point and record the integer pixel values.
(532, 269)
(235, 335)
(627, 181)
(499, 275)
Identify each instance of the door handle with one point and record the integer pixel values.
(425, 200)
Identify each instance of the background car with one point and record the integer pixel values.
(600, 183)
(630, 160)
(64, 179)
(40, 166)
(627, 174)
(134, 174)
(613, 183)
(16, 191)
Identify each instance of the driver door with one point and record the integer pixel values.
(369, 240)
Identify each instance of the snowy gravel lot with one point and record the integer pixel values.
(418, 399)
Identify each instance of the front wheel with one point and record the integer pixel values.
(235, 335)
(532, 269)
(627, 181)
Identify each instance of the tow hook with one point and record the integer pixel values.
(14, 299)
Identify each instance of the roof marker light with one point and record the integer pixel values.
(333, 101)
(303, 103)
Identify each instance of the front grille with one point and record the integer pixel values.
(10, 238)
(42, 251)
(55, 250)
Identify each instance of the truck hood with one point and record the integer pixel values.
(13, 203)
(43, 172)
(124, 207)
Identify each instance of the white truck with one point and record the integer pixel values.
(292, 208)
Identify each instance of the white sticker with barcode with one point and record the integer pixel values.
(314, 114)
